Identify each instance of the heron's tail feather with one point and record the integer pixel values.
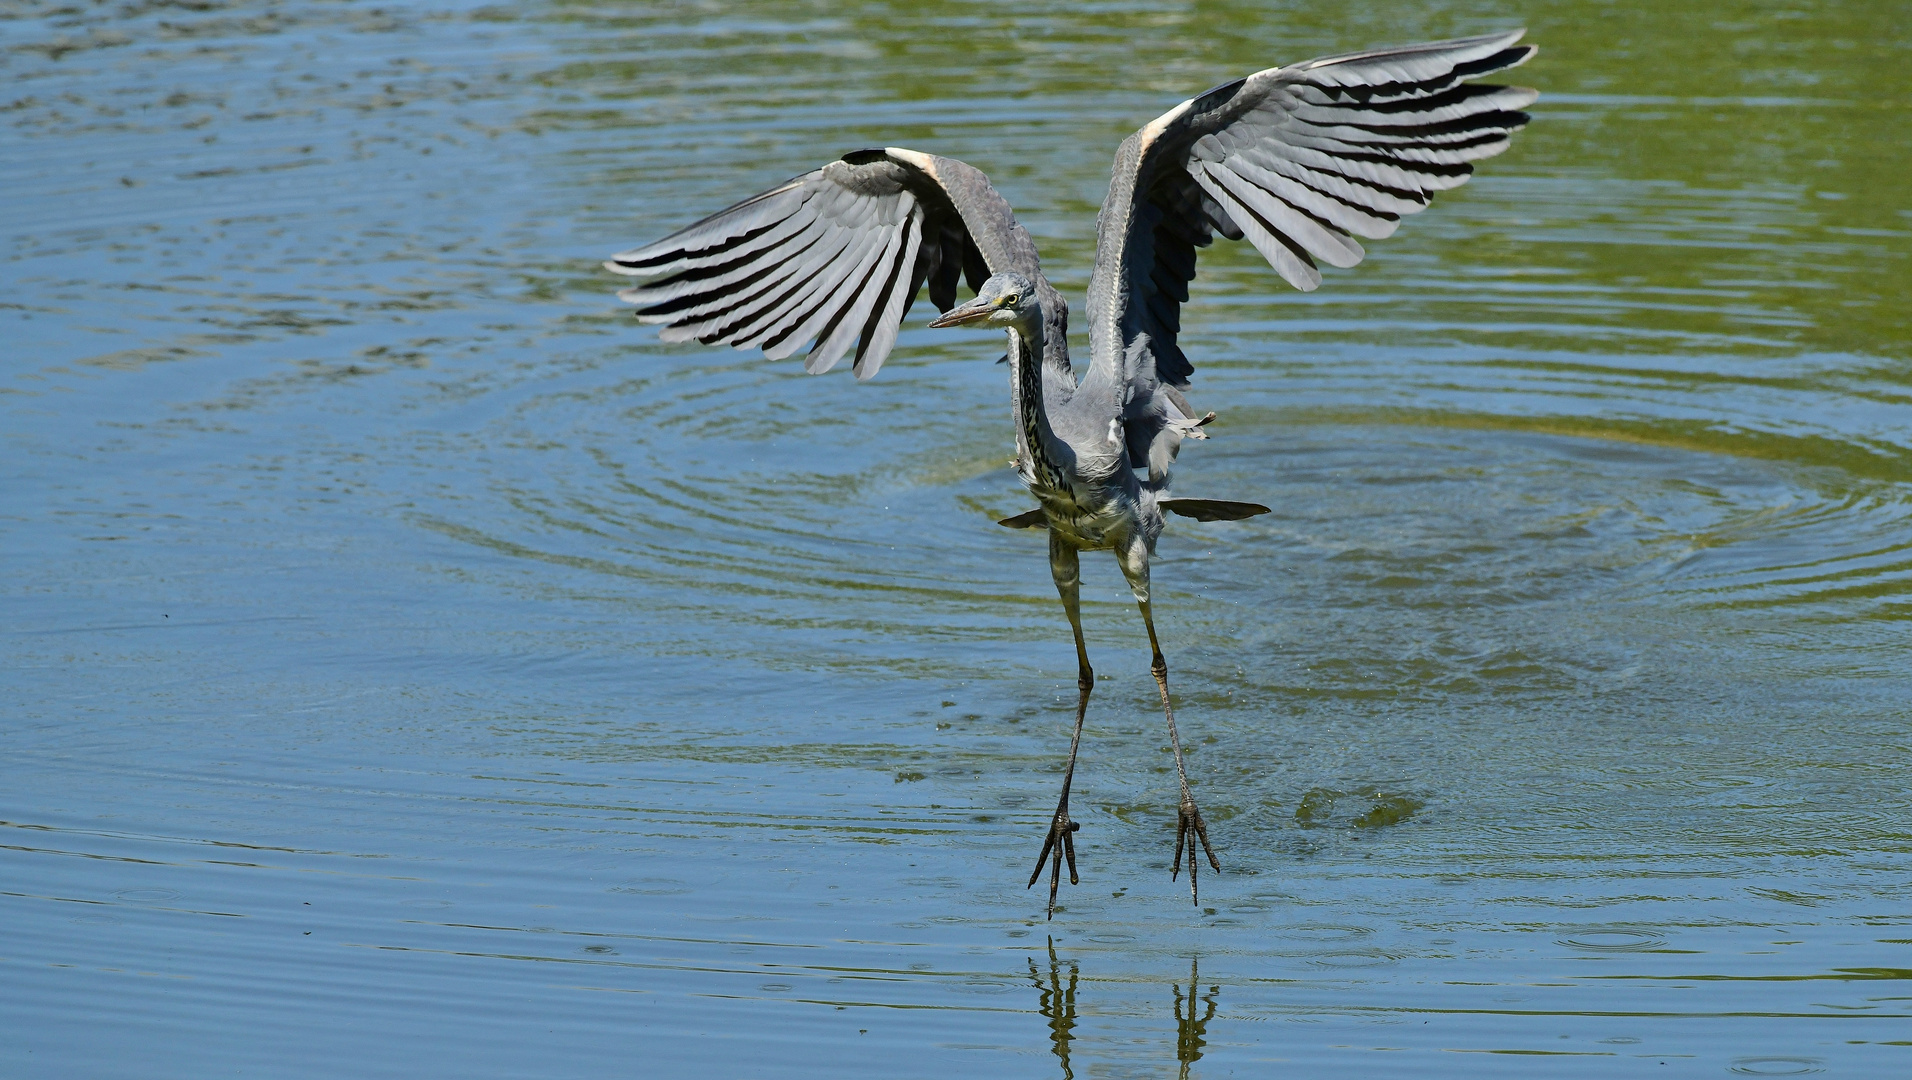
(1210, 509)
(1028, 519)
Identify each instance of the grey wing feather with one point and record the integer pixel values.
(831, 259)
(1299, 161)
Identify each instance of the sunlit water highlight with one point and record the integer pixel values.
(412, 668)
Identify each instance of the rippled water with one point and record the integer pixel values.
(412, 668)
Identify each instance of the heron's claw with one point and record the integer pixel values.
(1189, 827)
(1058, 845)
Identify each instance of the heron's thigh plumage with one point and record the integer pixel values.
(1065, 563)
(1132, 553)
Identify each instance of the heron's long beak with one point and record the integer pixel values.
(963, 314)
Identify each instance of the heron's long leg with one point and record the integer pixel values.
(1065, 564)
(1189, 826)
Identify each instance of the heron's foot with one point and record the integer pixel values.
(1057, 846)
(1189, 828)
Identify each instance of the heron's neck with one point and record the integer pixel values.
(1036, 442)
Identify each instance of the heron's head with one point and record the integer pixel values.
(1006, 300)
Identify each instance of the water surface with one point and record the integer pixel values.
(413, 668)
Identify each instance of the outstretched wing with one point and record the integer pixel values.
(831, 259)
(1297, 160)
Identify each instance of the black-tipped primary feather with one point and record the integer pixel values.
(833, 259)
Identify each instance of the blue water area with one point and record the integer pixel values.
(411, 667)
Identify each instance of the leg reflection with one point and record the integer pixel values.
(1058, 1004)
(1191, 1030)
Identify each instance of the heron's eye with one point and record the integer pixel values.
(1011, 299)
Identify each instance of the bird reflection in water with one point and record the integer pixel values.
(1057, 1003)
(1191, 1031)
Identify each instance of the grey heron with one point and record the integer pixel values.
(1297, 160)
